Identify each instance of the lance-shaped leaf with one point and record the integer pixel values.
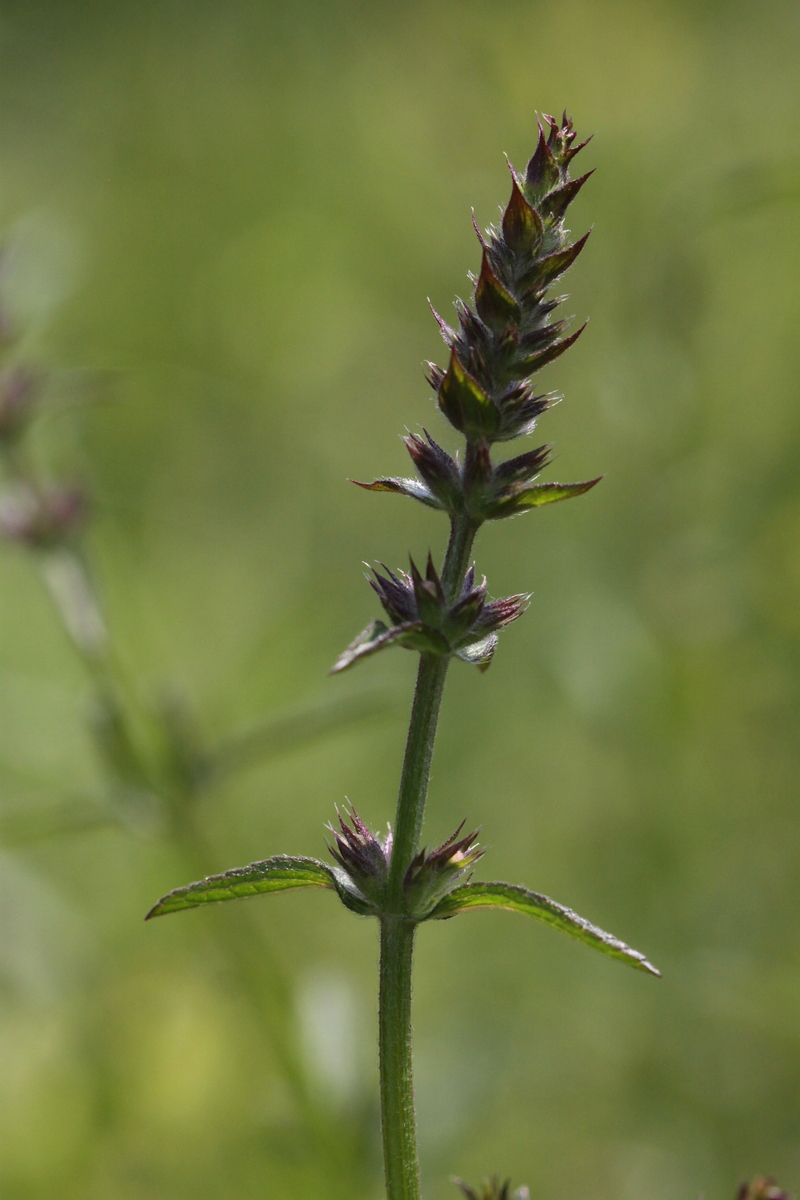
(519, 899)
(402, 487)
(370, 640)
(518, 498)
(273, 875)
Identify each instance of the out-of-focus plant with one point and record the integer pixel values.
(486, 392)
(156, 765)
(761, 1188)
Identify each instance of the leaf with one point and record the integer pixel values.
(370, 640)
(402, 487)
(273, 875)
(521, 499)
(479, 654)
(519, 899)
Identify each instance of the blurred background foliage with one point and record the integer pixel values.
(225, 221)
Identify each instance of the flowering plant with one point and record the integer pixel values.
(486, 392)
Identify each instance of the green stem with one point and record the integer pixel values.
(424, 718)
(397, 1085)
(397, 932)
(416, 770)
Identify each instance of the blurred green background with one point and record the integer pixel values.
(227, 218)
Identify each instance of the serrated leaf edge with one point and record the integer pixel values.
(279, 873)
(516, 898)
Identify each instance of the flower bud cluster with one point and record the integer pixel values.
(364, 862)
(423, 620)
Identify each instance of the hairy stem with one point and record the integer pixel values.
(424, 717)
(397, 1086)
(397, 932)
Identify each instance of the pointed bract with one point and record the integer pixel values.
(495, 304)
(465, 404)
(523, 228)
(542, 173)
(403, 487)
(519, 498)
(557, 202)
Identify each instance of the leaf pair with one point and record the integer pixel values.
(283, 872)
(480, 490)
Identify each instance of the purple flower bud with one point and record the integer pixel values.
(366, 861)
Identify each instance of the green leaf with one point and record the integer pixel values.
(412, 635)
(479, 654)
(273, 875)
(519, 899)
(520, 499)
(369, 641)
(403, 487)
